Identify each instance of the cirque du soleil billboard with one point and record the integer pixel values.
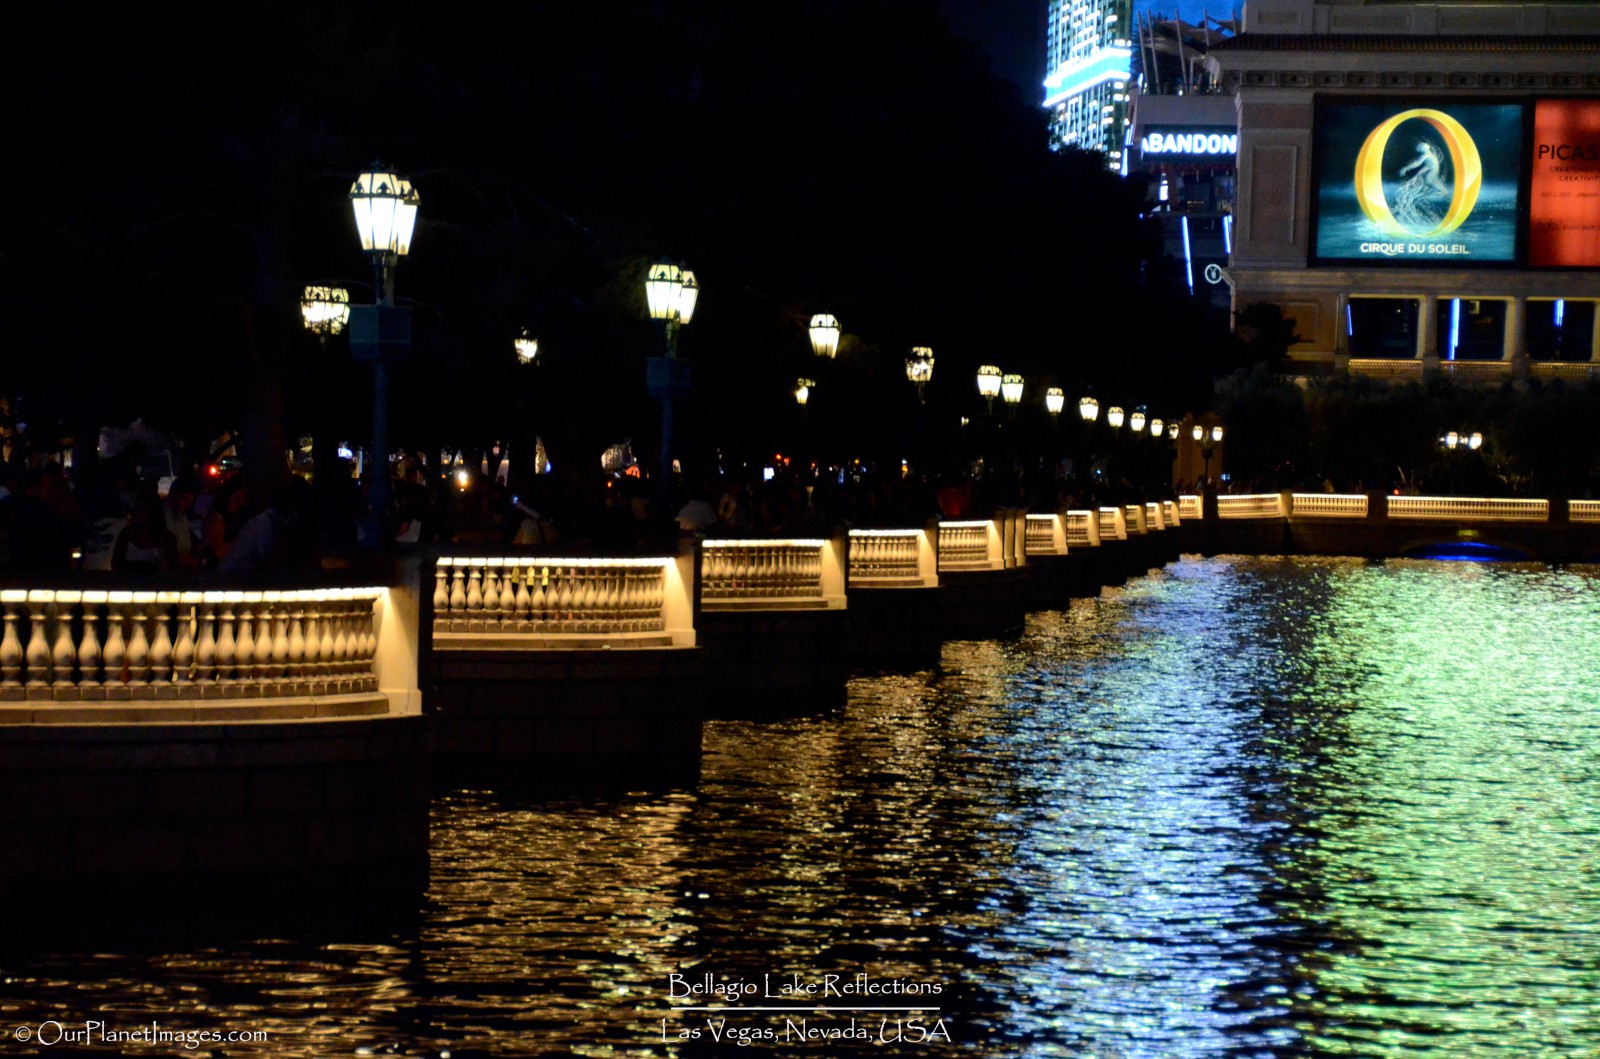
(1398, 182)
(1461, 184)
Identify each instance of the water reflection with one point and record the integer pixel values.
(1240, 808)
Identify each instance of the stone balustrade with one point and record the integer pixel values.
(1328, 505)
(1256, 505)
(893, 558)
(1571, 371)
(769, 574)
(1083, 529)
(527, 602)
(1189, 506)
(990, 544)
(1046, 535)
(1468, 509)
(1386, 367)
(1133, 516)
(1476, 370)
(1169, 513)
(1583, 510)
(1154, 517)
(92, 646)
(1113, 524)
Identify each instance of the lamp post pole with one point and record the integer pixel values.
(385, 208)
(326, 312)
(671, 294)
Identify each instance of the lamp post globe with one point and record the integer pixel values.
(1054, 401)
(919, 370)
(1475, 441)
(825, 333)
(1136, 421)
(1115, 417)
(1011, 389)
(1216, 434)
(688, 296)
(1157, 428)
(1198, 432)
(989, 377)
(802, 391)
(385, 208)
(1089, 409)
(526, 346)
(325, 310)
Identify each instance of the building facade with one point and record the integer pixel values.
(1089, 64)
(1419, 184)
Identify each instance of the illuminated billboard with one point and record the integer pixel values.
(1399, 182)
(1564, 188)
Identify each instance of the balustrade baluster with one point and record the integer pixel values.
(441, 589)
(244, 648)
(65, 652)
(161, 647)
(458, 592)
(11, 652)
(475, 594)
(492, 569)
(227, 645)
(40, 674)
(341, 639)
(522, 599)
(183, 648)
(89, 643)
(205, 652)
(117, 679)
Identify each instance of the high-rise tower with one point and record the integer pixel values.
(1088, 53)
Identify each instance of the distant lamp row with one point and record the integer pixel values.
(1456, 439)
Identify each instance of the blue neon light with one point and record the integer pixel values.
(1227, 234)
(1561, 310)
(1349, 321)
(1098, 67)
(1188, 259)
(1455, 327)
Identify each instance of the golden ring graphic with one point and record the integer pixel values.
(1464, 161)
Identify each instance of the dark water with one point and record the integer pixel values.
(1240, 808)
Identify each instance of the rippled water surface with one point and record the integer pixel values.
(1237, 808)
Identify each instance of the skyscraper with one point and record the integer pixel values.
(1088, 53)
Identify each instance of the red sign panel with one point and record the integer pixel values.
(1564, 197)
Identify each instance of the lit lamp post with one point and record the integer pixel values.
(825, 336)
(671, 294)
(1136, 421)
(1011, 390)
(1089, 409)
(385, 209)
(527, 347)
(326, 311)
(1054, 401)
(919, 370)
(802, 391)
(1114, 417)
(1208, 444)
(1156, 429)
(989, 385)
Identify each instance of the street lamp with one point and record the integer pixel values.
(527, 347)
(671, 294)
(825, 336)
(326, 310)
(802, 390)
(989, 384)
(1136, 421)
(919, 370)
(1198, 433)
(1114, 416)
(1156, 429)
(1054, 401)
(1011, 390)
(1208, 444)
(385, 208)
(1475, 441)
(1089, 409)
(1173, 431)
(1216, 434)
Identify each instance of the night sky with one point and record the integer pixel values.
(1012, 31)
